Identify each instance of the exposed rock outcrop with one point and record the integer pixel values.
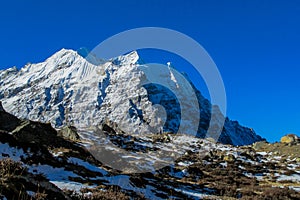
(69, 133)
(290, 139)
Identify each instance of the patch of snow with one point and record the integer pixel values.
(277, 157)
(259, 177)
(262, 153)
(224, 164)
(70, 185)
(124, 182)
(2, 197)
(244, 160)
(297, 189)
(52, 173)
(241, 167)
(7, 151)
(292, 166)
(31, 193)
(185, 163)
(56, 154)
(193, 194)
(293, 178)
(87, 165)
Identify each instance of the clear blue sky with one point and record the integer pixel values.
(254, 43)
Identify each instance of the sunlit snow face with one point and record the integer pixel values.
(147, 106)
(151, 99)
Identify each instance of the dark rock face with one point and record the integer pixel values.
(8, 122)
(35, 132)
(1, 107)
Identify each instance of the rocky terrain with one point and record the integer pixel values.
(38, 162)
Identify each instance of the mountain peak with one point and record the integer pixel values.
(63, 54)
(66, 51)
(68, 89)
(127, 59)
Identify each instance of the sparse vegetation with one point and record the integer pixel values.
(10, 172)
(112, 193)
(259, 171)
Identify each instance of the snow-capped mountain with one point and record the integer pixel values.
(66, 89)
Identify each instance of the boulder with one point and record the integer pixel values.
(290, 139)
(259, 145)
(35, 132)
(70, 133)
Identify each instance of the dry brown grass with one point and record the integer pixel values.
(10, 169)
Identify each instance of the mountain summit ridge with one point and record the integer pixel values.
(67, 89)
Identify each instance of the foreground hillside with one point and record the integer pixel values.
(37, 162)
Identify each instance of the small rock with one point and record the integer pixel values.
(259, 145)
(229, 158)
(210, 139)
